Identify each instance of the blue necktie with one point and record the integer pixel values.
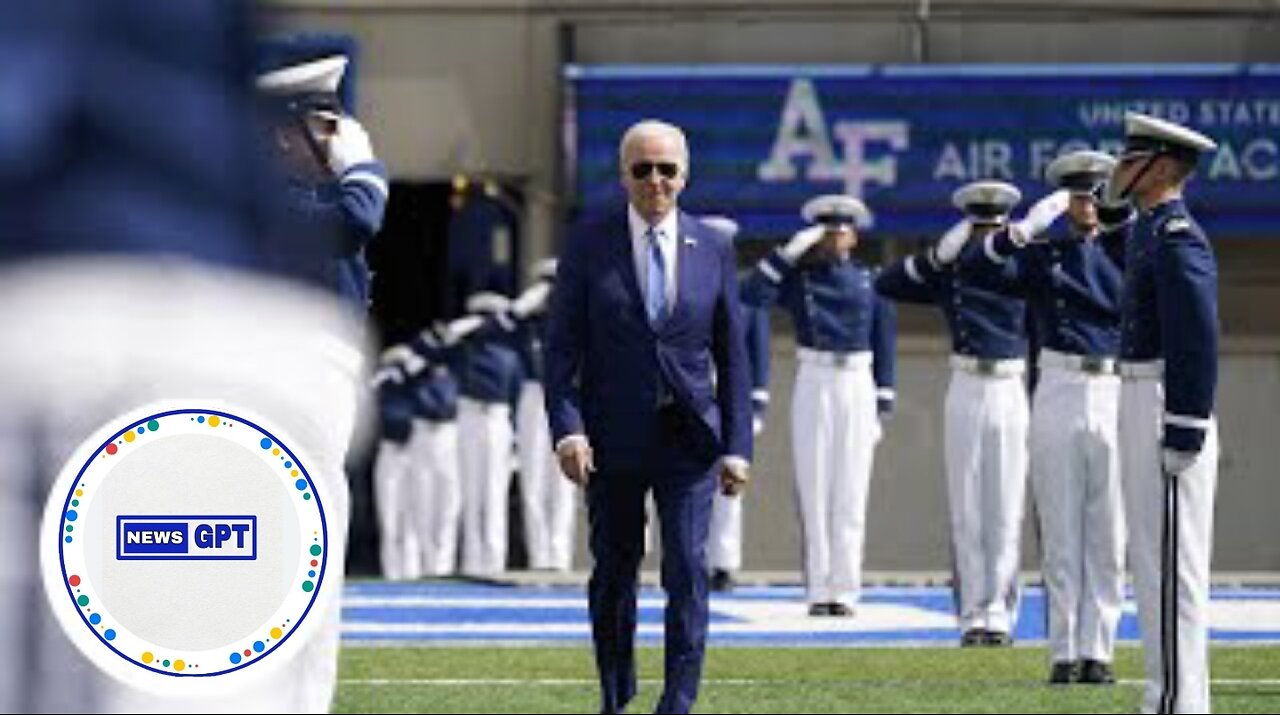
(656, 291)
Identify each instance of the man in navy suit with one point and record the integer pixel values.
(648, 389)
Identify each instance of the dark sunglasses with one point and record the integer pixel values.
(642, 169)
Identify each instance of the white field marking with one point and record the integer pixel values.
(745, 682)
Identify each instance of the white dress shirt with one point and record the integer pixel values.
(668, 242)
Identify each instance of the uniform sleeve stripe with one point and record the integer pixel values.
(368, 177)
(989, 247)
(1186, 422)
(760, 395)
(912, 272)
(885, 393)
(770, 272)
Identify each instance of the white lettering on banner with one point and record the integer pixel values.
(802, 132)
(1258, 160)
(858, 169)
(978, 159)
(1107, 114)
(1248, 113)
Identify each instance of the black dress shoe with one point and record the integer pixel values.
(840, 610)
(1064, 673)
(819, 609)
(1095, 672)
(722, 581)
(998, 639)
(973, 637)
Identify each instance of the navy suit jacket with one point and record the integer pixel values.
(606, 366)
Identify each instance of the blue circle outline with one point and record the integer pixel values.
(324, 530)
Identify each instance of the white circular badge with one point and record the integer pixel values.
(184, 547)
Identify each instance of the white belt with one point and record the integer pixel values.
(1087, 364)
(989, 367)
(1146, 370)
(850, 361)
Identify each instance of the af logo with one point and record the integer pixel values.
(183, 547)
(802, 134)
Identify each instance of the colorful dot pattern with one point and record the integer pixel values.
(177, 665)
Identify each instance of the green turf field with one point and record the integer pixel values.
(790, 680)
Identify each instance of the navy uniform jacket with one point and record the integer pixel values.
(757, 343)
(488, 366)
(529, 336)
(115, 138)
(434, 388)
(1072, 287)
(1170, 313)
(834, 308)
(395, 404)
(985, 322)
(342, 216)
(607, 366)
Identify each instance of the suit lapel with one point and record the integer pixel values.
(687, 254)
(625, 264)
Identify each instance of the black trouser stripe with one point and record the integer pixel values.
(1169, 596)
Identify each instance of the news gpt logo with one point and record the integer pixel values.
(185, 545)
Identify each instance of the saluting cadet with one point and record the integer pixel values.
(393, 480)
(1169, 437)
(337, 187)
(548, 498)
(846, 337)
(986, 408)
(490, 382)
(433, 445)
(1072, 287)
(724, 546)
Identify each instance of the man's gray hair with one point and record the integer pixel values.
(654, 127)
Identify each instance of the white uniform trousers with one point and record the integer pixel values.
(102, 335)
(834, 431)
(395, 495)
(1170, 540)
(1075, 471)
(486, 479)
(549, 498)
(986, 455)
(437, 514)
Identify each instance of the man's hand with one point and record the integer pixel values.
(576, 459)
(800, 243)
(349, 146)
(734, 476)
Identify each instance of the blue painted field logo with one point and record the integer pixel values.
(161, 538)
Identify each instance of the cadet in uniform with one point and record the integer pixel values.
(986, 408)
(1072, 287)
(724, 545)
(433, 446)
(337, 187)
(846, 336)
(1169, 437)
(392, 478)
(549, 499)
(490, 384)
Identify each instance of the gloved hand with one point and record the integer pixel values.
(948, 248)
(349, 146)
(884, 408)
(1112, 212)
(459, 329)
(1177, 462)
(801, 242)
(532, 300)
(486, 303)
(758, 409)
(1040, 217)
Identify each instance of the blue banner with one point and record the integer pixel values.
(765, 139)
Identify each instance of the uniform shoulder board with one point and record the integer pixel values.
(1176, 224)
